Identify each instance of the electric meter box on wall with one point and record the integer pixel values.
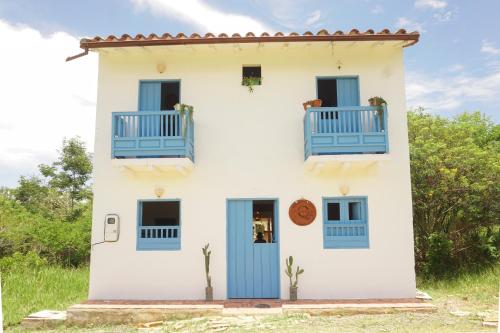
(111, 228)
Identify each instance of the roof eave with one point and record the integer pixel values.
(89, 44)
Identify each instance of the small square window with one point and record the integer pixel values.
(333, 211)
(253, 73)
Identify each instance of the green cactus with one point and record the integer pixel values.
(289, 272)
(206, 253)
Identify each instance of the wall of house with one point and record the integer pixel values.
(250, 145)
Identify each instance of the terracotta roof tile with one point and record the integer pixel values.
(250, 37)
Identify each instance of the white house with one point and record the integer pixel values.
(327, 185)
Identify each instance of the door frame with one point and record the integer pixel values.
(277, 238)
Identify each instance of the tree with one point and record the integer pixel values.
(64, 186)
(455, 174)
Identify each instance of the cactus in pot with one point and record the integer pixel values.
(209, 292)
(289, 272)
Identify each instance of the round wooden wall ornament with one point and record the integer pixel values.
(302, 212)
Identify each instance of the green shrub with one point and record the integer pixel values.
(21, 262)
(439, 256)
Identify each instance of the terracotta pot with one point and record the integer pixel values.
(293, 293)
(315, 103)
(209, 294)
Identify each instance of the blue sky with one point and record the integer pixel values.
(455, 67)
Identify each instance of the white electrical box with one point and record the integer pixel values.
(111, 228)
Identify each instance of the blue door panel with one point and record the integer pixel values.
(348, 95)
(253, 270)
(149, 100)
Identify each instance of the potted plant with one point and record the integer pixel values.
(183, 110)
(315, 103)
(379, 103)
(289, 273)
(250, 81)
(209, 292)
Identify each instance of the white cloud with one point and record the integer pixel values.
(443, 17)
(378, 9)
(408, 24)
(489, 48)
(314, 17)
(433, 4)
(43, 98)
(451, 91)
(204, 16)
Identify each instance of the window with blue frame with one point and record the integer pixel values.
(158, 225)
(345, 223)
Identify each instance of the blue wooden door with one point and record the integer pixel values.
(253, 269)
(348, 95)
(149, 100)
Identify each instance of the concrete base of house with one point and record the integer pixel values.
(133, 312)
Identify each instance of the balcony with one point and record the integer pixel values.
(153, 140)
(345, 130)
(154, 134)
(343, 138)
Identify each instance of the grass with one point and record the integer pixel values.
(472, 292)
(475, 293)
(49, 287)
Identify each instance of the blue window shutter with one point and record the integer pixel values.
(150, 96)
(347, 91)
(346, 233)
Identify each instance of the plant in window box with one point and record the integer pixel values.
(379, 103)
(289, 272)
(250, 81)
(209, 292)
(183, 110)
(314, 103)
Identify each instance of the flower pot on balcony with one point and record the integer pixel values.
(209, 294)
(315, 103)
(293, 293)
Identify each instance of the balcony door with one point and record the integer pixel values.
(338, 92)
(158, 96)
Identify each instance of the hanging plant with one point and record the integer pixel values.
(250, 81)
(183, 110)
(379, 103)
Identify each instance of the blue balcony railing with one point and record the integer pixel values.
(152, 134)
(345, 130)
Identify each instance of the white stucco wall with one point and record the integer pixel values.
(251, 146)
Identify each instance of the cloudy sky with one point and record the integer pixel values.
(454, 68)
